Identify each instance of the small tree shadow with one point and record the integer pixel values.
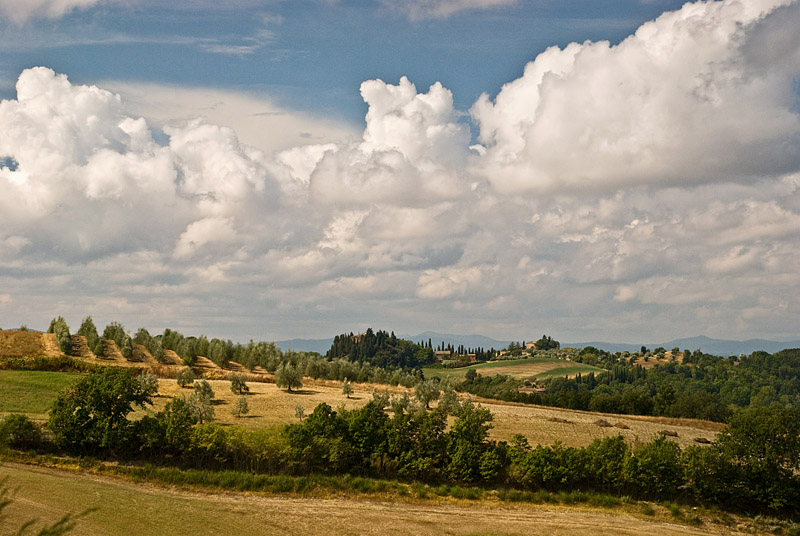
(304, 392)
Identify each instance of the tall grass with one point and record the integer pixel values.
(242, 481)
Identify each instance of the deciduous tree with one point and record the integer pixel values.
(93, 414)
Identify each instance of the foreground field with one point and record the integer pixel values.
(531, 368)
(48, 494)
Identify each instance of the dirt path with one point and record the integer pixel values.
(47, 494)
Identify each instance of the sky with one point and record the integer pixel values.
(617, 170)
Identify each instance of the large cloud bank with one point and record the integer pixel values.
(698, 95)
(647, 187)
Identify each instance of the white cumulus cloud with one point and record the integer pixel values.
(413, 150)
(689, 98)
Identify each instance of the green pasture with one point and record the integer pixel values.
(31, 392)
(534, 367)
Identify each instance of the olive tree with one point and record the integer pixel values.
(185, 377)
(347, 389)
(200, 401)
(426, 392)
(240, 407)
(238, 384)
(287, 375)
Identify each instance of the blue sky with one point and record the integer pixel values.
(621, 170)
(312, 55)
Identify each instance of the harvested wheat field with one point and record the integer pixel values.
(271, 406)
(48, 494)
(16, 343)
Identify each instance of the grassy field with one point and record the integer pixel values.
(534, 367)
(48, 494)
(31, 392)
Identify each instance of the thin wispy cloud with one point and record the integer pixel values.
(440, 9)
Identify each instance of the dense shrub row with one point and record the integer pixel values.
(50, 364)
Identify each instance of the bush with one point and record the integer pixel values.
(19, 432)
(167, 434)
(127, 348)
(656, 468)
(185, 377)
(52, 364)
(149, 382)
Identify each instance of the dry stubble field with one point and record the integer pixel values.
(271, 406)
(126, 508)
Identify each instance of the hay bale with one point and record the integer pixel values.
(702, 440)
(602, 423)
(559, 419)
(669, 433)
(621, 426)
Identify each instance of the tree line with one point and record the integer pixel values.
(380, 349)
(703, 386)
(397, 370)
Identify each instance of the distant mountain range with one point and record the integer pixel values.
(711, 346)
